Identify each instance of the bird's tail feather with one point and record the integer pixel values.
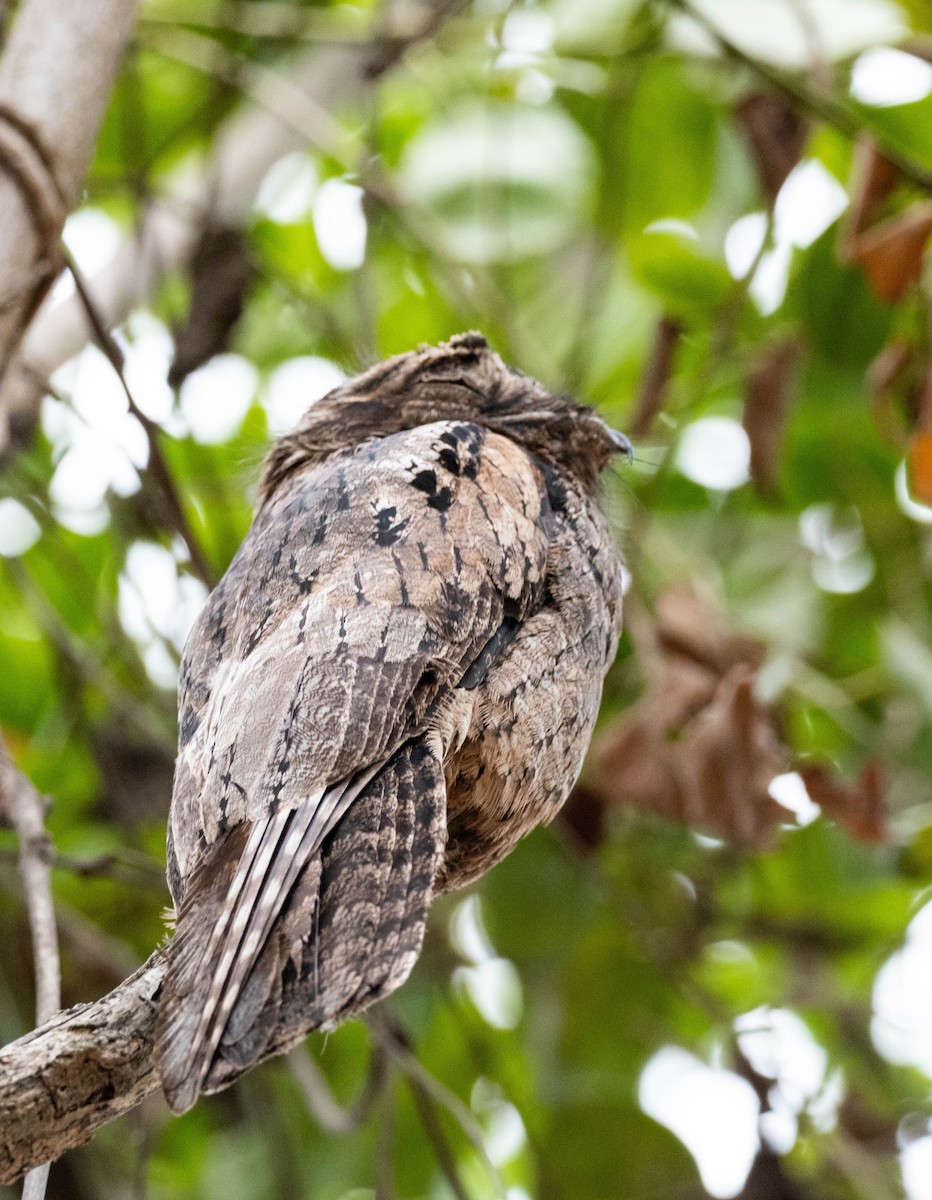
(328, 928)
(220, 936)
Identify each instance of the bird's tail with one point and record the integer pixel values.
(229, 908)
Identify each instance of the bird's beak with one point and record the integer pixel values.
(621, 444)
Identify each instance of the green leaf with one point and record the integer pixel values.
(670, 147)
(842, 318)
(669, 261)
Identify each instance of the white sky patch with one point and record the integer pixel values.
(790, 791)
(912, 508)
(535, 87)
(528, 31)
(286, 194)
(845, 578)
(526, 35)
(157, 607)
(467, 931)
(340, 224)
(902, 1000)
(148, 349)
(772, 30)
(504, 1133)
(712, 1111)
(294, 386)
(778, 1044)
(810, 200)
(770, 279)
(494, 987)
(86, 521)
(216, 398)
(916, 1163)
(491, 982)
(92, 238)
(840, 563)
(884, 77)
(96, 442)
(715, 453)
(779, 1126)
(19, 530)
(743, 243)
(674, 225)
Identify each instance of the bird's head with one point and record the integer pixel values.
(462, 379)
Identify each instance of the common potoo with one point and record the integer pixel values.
(395, 680)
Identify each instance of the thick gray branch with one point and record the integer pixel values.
(60, 1083)
(292, 108)
(290, 112)
(56, 75)
(23, 805)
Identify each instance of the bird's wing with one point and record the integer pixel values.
(366, 592)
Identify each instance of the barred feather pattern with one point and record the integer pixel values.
(396, 680)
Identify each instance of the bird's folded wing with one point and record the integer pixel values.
(366, 592)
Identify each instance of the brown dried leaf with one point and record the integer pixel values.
(725, 762)
(859, 807)
(874, 180)
(888, 368)
(699, 749)
(921, 397)
(919, 466)
(682, 689)
(221, 273)
(892, 253)
(634, 766)
(766, 400)
(776, 134)
(708, 765)
(656, 380)
(688, 626)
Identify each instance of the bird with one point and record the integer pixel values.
(394, 682)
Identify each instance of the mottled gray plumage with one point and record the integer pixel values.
(395, 680)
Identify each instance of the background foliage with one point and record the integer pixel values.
(708, 219)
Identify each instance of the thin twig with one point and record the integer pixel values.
(320, 1100)
(157, 464)
(385, 1148)
(395, 1040)
(446, 1160)
(655, 381)
(825, 107)
(23, 807)
(119, 866)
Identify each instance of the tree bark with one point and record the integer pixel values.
(291, 111)
(85, 1067)
(56, 76)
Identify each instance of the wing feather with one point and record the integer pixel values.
(366, 590)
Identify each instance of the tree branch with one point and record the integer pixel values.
(22, 805)
(250, 142)
(816, 102)
(244, 149)
(56, 74)
(83, 1068)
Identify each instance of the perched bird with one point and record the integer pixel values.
(394, 682)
